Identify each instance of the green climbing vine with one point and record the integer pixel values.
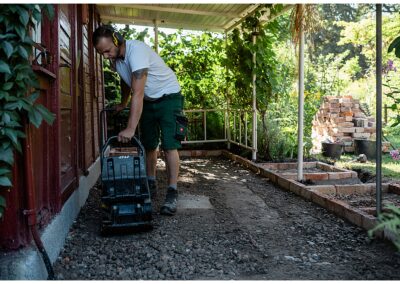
(18, 84)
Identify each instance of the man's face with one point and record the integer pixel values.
(106, 47)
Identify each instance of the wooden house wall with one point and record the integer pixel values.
(88, 91)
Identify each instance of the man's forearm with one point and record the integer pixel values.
(135, 110)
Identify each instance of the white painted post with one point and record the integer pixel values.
(228, 123)
(155, 35)
(300, 108)
(205, 124)
(254, 151)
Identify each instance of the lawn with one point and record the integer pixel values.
(390, 168)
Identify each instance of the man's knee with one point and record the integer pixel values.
(171, 152)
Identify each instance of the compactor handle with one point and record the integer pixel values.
(133, 142)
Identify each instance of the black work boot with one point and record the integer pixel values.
(169, 206)
(153, 188)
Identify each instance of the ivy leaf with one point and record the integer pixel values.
(5, 144)
(4, 95)
(14, 105)
(21, 31)
(32, 98)
(7, 36)
(49, 9)
(4, 171)
(11, 133)
(4, 68)
(8, 48)
(7, 86)
(5, 181)
(6, 118)
(28, 40)
(23, 16)
(36, 14)
(22, 51)
(35, 118)
(20, 134)
(7, 156)
(48, 116)
(21, 76)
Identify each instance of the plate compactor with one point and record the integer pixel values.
(126, 203)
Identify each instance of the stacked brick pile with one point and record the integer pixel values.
(340, 119)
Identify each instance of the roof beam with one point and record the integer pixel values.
(263, 19)
(161, 23)
(174, 10)
(247, 12)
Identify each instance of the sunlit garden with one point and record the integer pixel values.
(215, 72)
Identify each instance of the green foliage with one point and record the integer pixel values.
(361, 34)
(16, 80)
(390, 221)
(272, 79)
(277, 141)
(396, 46)
(275, 70)
(325, 40)
(394, 95)
(394, 85)
(196, 60)
(112, 86)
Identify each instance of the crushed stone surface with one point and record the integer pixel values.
(254, 231)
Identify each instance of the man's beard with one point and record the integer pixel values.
(119, 56)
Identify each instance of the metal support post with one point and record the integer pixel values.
(301, 108)
(378, 109)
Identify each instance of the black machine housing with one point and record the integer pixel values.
(126, 202)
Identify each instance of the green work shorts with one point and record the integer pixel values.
(158, 120)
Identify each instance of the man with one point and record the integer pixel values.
(155, 99)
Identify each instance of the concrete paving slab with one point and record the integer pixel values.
(186, 201)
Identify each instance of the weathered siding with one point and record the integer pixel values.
(87, 96)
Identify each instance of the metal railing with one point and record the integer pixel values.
(241, 132)
(237, 127)
(193, 128)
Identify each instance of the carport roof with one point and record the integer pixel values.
(193, 16)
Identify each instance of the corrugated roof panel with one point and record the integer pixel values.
(190, 16)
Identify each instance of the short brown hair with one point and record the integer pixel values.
(102, 31)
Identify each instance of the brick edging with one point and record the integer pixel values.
(318, 194)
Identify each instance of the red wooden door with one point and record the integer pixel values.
(67, 99)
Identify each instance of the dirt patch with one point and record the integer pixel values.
(253, 231)
(369, 200)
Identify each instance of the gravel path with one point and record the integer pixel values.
(254, 231)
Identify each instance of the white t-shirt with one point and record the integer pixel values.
(161, 79)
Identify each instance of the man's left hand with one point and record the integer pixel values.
(126, 135)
